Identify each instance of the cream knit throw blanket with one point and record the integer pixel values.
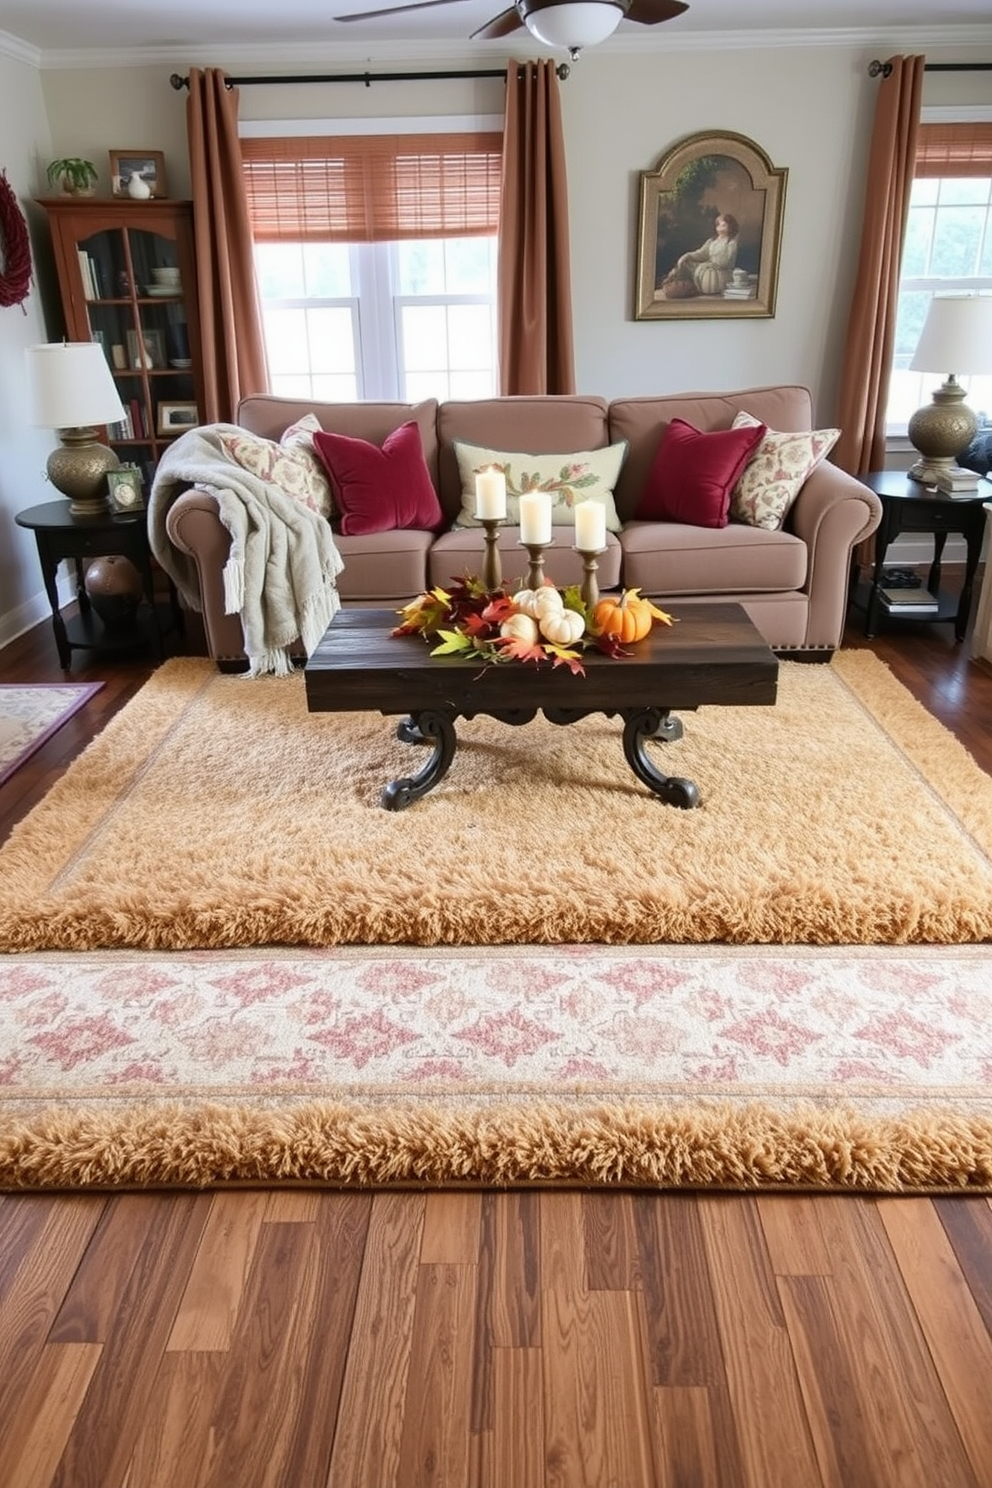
(280, 576)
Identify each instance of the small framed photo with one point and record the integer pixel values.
(176, 418)
(126, 489)
(147, 351)
(147, 165)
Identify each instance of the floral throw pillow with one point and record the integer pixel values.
(588, 475)
(774, 475)
(293, 469)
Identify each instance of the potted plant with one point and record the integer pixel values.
(75, 177)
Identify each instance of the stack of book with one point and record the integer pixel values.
(909, 601)
(956, 481)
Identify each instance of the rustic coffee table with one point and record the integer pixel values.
(712, 654)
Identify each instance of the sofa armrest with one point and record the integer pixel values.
(832, 514)
(194, 527)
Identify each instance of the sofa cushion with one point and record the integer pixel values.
(299, 437)
(774, 475)
(672, 558)
(380, 489)
(293, 469)
(694, 472)
(581, 475)
(383, 567)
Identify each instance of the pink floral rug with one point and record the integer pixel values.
(864, 1067)
(30, 714)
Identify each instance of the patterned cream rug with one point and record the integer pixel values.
(31, 713)
(820, 1068)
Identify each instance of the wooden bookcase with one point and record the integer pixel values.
(105, 252)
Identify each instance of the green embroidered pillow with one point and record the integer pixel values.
(588, 475)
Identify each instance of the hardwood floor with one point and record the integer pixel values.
(486, 1340)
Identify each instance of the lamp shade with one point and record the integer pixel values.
(574, 24)
(70, 386)
(956, 335)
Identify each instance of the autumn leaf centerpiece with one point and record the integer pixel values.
(546, 624)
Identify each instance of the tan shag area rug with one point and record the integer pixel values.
(819, 1068)
(217, 812)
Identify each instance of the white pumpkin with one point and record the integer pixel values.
(536, 602)
(521, 627)
(562, 627)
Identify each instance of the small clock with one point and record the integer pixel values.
(126, 494)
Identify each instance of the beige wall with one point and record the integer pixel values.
(810, 109)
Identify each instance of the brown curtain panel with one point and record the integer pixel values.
(231, 340)
(871, 326)
(536, 353)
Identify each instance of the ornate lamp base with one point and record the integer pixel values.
(940, 431)
(78, 468)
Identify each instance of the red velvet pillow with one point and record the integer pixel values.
(377, 489)
(693, 474)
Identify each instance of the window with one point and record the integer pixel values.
(948, 247)
(376, 264)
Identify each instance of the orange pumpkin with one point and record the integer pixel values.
(628, 618)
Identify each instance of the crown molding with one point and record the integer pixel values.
(18, 50)
(235, 57)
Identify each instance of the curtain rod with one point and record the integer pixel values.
(885, 68)
(178, 81)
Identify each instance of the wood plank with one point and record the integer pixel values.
(258, 1418)
(968, 1225)
(434, 1449)
(597, 1421)
(452, 1223)
(31, 1445)
(610, 1242)
(516, 1308)
(514, 1449)
(135, 1331)
(22, 1218)
(36, 1291)
(292, 1206)
(370, 1420)
(687, 1438)
(956, 1332)
(880, 1350)
(104, 1275)
(215, 1287)
(683, 1337)
(775, 1441)
(173, 1444)
(793, 1234)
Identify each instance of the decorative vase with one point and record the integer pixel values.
(115, 590)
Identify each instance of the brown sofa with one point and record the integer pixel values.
(792, 582)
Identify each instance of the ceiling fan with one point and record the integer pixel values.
(569, 24)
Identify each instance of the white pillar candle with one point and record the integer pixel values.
(590, 526)
(490, 495)
(535, 518)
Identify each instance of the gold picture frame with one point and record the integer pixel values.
(148, 164)
(126, 489)
(709, 231)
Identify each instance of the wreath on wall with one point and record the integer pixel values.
(15, 248)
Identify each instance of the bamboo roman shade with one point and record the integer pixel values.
(373, 188)
(954, 150)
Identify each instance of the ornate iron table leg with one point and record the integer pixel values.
(655, 723)
(422, 728)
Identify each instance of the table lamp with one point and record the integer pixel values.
(70, 388)
(956, 333)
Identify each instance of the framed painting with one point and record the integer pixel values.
(176, 418)
(710, 231)
(147, 165)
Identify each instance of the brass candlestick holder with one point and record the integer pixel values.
(492, 573)
(590, 584)
(535, 570)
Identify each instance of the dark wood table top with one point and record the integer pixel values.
(712, 654)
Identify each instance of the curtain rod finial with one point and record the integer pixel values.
(178, 81)
(876, 67)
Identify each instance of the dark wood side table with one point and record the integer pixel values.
(60, 535)
(908, 506)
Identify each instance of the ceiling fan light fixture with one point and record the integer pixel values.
(574, 24)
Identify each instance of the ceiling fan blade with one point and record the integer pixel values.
(653, 12)
(372, 15)
(504, 24)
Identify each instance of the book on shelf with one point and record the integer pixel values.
(86, 274)
(909, 601)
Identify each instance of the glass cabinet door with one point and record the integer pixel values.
(136, 309)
